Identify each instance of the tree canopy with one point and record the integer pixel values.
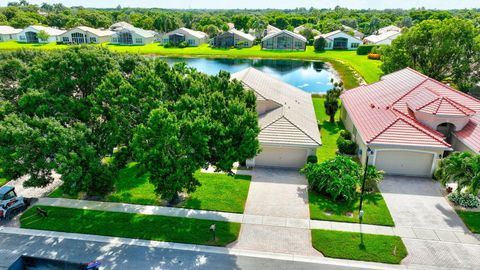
(71, 110)
(447, 50)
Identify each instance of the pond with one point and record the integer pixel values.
(310, 76)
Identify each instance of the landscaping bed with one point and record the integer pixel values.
(375, 209)
(471, 220)
(148, 227)
(357, 246)
(218, 192)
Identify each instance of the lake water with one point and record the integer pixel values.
(310, 76)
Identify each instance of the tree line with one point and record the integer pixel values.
(21, 14)
(85, 112)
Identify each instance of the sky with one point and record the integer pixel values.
(261, 4)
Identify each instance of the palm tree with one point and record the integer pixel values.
(331, 105)
(462, 168)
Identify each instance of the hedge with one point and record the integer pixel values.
(365, 49)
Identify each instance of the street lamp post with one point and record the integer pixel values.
(360, 210)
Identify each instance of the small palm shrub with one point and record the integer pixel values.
(337, 178)
(466, 200)
(374, 177)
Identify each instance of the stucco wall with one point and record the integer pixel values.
(350, 40)
(8, 37)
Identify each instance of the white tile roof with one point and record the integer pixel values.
(8, 30)
(96, 32)
(382, 37)
(242, 34)
(50, 31)
(389, 28)
(197, 34)
(294, 122)
(297, 36)
(117, 27)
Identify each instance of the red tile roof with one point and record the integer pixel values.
(382, 111)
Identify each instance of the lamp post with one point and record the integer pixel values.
(360, 210)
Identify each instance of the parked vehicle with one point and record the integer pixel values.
(10, 203)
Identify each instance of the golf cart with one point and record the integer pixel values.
(10, 204)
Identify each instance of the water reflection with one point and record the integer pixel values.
(311, 76)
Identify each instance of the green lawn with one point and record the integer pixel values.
(218, 192)
(342, 61)
(348, 245)
(3, 181)
(375, 209)
(148, 227)
(471, 219)
(329, 131)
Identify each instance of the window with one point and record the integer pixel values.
(1, 38)
(9, 195)
(114, 40)
(165, 40)
(138, 40)
(93, 40)
(66, 39)
(298, 44)
(78, 38)
(125, 38)
(22, 37)
(191, 42)
(354, 45)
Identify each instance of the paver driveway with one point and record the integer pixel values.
(418, 203)
(274, 194)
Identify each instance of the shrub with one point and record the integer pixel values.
(337, 178)
(374, 177)
(319, 44)
(346, 147)
(374, 56)
(365, 49)
(346, 134)
(183, 44)
(466, 200)
(167, 45)
(241, 44)
(312, 159)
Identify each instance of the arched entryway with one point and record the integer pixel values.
(446, 129)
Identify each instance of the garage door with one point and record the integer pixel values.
(405, 163)
(281, 157)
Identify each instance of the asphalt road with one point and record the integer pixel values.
(115, 256)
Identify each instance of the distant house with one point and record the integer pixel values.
(233, 38)
(299, 29)
(8, 33)
(85, 34)
(339, 40)
(288, 126)
(284, 40)
(384, 38)
(30, 33)
(355, 32)
(409, 121)
(230, 25)
(270, 29)
(192, 37)
(388, 29)
(127, 34)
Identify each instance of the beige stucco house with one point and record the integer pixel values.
(410, 121)
(30, 34)
(8, 33)
(339, 40)
(127, 34)
(288, 126)
(85, 35)
(191, 37)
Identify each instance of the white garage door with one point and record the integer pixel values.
(282, 157)
(405, 163)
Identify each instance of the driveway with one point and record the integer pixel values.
(274, 194)
(418, 203)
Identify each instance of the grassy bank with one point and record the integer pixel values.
(471, 220)
(148, 227)
(375, 208)
(355, 246)
(218, 192)
(343, 61)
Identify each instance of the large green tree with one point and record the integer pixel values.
(443, 50)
